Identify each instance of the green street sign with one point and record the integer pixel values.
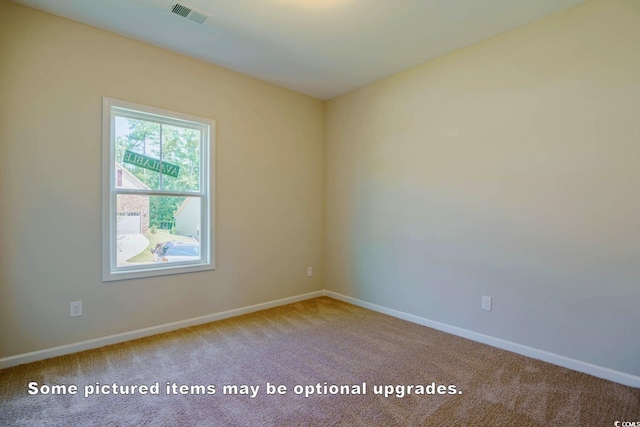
(150, 163)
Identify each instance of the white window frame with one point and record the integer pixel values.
(110, 271)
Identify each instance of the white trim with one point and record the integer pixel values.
(34, 356)
(556, 359)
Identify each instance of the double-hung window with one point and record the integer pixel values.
(157, 196)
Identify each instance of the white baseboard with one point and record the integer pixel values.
(34, 356)
(556, 359)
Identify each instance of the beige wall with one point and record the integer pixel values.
(509, 169)
(269, 185)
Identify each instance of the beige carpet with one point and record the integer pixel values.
(316, 341)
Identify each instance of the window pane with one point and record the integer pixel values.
(156, 229)
(157, 157)
(137, 153)
(181, 153)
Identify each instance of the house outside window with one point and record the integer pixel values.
(157, 197)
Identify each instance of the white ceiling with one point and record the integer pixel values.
(322, 48)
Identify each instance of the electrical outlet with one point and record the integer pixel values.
(309, 271)
(75, 309)
(486, 303)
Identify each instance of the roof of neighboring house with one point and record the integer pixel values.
(131, 177)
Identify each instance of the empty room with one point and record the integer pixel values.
(320, 212)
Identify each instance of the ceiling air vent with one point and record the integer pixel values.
(188, 12)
